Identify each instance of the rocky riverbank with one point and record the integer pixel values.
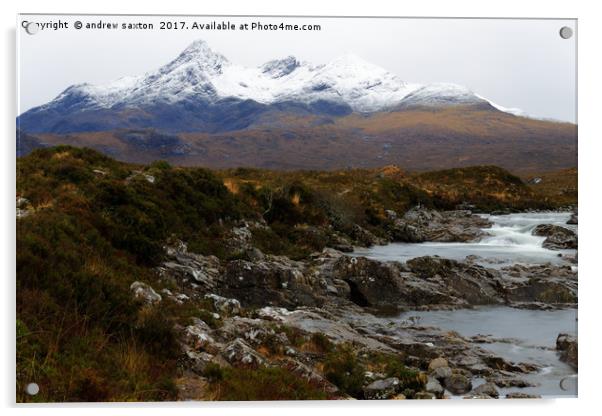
(313, 317)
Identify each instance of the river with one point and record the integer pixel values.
(522, 335)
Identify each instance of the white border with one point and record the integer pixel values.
(590, 72)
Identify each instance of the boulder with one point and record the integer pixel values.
(382, 389)
(546, 284)
(475, 284)
(433, 386)
(145, 293)
(557, 238)
(458, 384)
(420, 224)
(371, 282)
(441, 373)
(568, 348)
(487, 389)
(438, 362)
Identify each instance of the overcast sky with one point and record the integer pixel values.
(515, 63)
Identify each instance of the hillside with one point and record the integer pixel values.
(418, 140)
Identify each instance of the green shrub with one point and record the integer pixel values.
(262, 384)
(343, 368)
(322, 342)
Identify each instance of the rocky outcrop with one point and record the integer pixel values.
(189, 268)
(275, 280)
(567, 347)
(557, 238)
(420, 224)
(474, 284)
(224, 305)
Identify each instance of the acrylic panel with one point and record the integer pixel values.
(295, 208)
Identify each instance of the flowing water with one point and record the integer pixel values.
(523, 335)
(509, 242)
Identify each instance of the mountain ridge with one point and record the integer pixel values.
(203, 85)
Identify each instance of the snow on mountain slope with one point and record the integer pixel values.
(441, 94)
(199, 74)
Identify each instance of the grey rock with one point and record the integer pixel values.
(568, 347)
(198, 336)
(240, 354)
(433, 386)
(224, 305)
(420, 224)
(458, 384)
(487, 389)
(441, 373)
(382, 389)
(557, 238)
(438, 362)
(144, 292)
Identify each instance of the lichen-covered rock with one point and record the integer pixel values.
(224, 305)
(188, 267)
(198, 336)
(239, 354)
(144, 292)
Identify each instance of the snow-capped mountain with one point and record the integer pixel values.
(202, 90)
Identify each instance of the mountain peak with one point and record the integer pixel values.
(278, 68)
(199, 53)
